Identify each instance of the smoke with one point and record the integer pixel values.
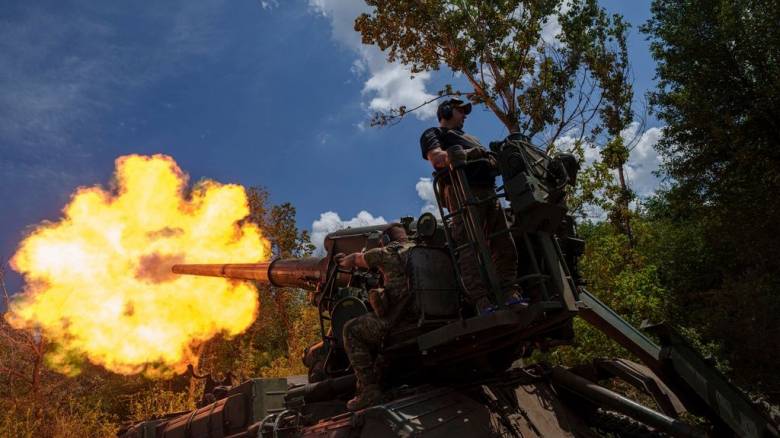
(156, 268)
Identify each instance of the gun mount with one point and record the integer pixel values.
(460, 374)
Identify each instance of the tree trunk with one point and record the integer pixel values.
(196, 370)
(624, 200)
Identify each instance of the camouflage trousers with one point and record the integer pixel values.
(362, 339)
(502, 246)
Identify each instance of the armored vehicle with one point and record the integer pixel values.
(459, 373)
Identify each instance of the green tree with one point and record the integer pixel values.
(624, 279)
(279, 225)
(545, 86)
(719, 93)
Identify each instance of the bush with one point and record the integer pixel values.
(65, 418)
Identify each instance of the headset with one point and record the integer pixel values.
(445, 110)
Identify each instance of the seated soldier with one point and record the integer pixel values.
(363, 335)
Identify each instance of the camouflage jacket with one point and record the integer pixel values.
(391, 261)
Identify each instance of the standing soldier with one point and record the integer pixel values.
(363, 335)
(481, 176)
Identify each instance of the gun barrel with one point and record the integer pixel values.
(305, 273)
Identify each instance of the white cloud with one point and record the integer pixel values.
(644, 160)
(389, 85)
(269, 4)
(591, 155)
(425, 191)
(566, 143)
(550, 30)
(552, 27)
(330, 221)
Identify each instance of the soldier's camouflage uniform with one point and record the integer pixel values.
(363, 335)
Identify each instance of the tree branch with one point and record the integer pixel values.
(6, 297)
(16, 373)
(395, 115)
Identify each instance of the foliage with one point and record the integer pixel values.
(269, 347)
(623, 278)
(39, 402)
(719, 92)
(530, 84)
(279, 225)
(305, 332)
(548, 86)
(156, 401)
(719, 220)
(66, 417)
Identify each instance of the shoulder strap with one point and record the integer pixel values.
(454, 136)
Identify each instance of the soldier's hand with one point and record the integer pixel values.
(439, 158)
(347, 262)
(339, 258)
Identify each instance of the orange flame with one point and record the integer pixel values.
(98, 282)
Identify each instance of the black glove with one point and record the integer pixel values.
(475, 154)
(458, 156)
(482, 153)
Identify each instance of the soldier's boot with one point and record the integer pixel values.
(484, 306)
(365, 396)
(514, 297)
(368, 392)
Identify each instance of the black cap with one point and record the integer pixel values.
(453, 103)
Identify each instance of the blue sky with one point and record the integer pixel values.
(271, 93)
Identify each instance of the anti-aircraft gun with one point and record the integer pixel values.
(460, 373)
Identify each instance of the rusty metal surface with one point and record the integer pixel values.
(303, 273)
(441, 412)
(542, 414)
(528, 407)
(355, 239)
(341, 426)
(239, 271)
